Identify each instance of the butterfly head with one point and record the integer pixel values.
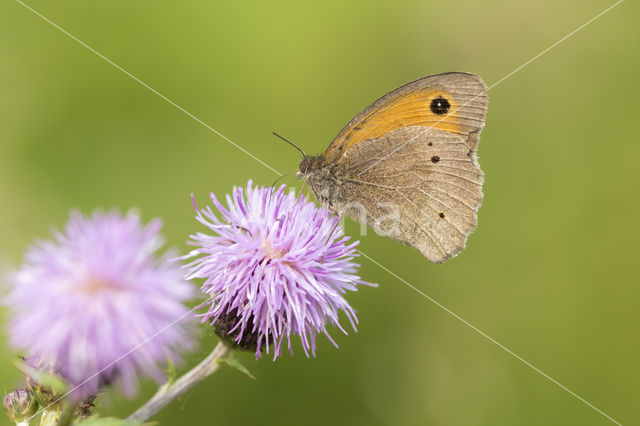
(310, 165)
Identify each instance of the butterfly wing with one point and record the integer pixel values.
(454, 102)
(426, 194)
(407, 166)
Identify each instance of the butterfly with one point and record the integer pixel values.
(407, 165)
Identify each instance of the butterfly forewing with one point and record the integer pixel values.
(454, 102)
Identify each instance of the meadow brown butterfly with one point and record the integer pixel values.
(407, 166)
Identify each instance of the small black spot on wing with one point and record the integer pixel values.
(435, 158)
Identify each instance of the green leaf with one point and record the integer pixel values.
(172, 372)
(233, 362)
(56, 383)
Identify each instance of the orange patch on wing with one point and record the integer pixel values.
(412, 109)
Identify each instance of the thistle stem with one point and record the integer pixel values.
(171, 390)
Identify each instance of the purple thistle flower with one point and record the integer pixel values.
(278, 266)
(96, 294)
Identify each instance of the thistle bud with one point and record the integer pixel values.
(227, 327)
(20, 405)
(41, 392)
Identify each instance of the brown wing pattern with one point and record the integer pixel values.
(426, 194)
(410, 105)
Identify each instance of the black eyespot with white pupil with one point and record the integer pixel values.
(440, 105)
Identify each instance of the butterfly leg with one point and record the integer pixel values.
(340, 217)
(304, 185)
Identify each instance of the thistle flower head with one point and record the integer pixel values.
(96, 305)
(277, 266)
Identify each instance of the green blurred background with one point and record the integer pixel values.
(551, 271)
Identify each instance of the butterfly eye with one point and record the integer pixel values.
(305, 164)
(440, 105)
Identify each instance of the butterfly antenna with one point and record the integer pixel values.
(291, 143)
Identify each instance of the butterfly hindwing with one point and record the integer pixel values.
(426, 194)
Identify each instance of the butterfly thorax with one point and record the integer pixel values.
(322, 178)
